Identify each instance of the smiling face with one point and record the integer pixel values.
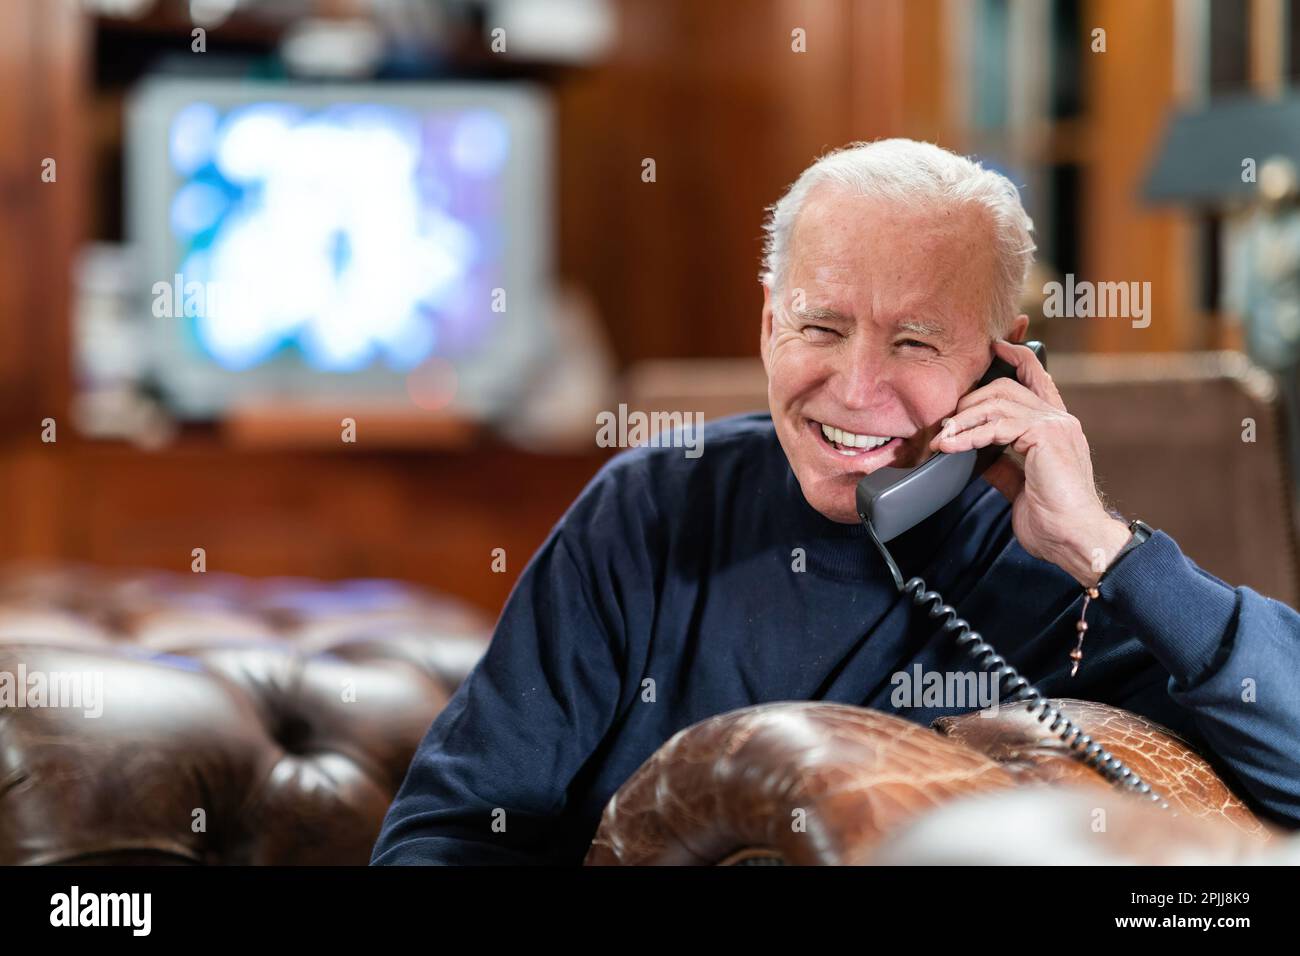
(888, 334)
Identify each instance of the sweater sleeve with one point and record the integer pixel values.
(1233, 657)
(488, 783)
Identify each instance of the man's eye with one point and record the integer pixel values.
(819, 333)
(916, 343)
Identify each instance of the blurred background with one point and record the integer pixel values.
(466, 227)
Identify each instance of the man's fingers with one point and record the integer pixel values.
(989, 409)
(995, 431)
(1004, 389)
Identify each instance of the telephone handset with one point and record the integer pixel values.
(893, 500)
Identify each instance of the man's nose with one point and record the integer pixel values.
(864, 381)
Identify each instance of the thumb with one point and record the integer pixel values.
(1006, 476)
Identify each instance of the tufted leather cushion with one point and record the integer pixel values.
(819, 783)
(242, 721)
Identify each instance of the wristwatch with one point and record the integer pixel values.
(1140, 531)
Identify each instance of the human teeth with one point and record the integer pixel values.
(851, 439)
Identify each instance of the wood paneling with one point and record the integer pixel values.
(1132, 93)
(714, 93)
(42, 47)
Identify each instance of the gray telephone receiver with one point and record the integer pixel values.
(892, 500)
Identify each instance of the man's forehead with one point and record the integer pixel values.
(928, 293)
(840, 238)
(913, 277)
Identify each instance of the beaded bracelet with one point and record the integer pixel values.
(1139, 532)
(1081, 626)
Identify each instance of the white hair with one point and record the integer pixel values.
(912, 172)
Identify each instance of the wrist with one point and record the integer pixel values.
(1095, 549)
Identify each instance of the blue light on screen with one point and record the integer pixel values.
(193, 132)
(348, 235)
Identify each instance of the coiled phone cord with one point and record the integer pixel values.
(1010, 682)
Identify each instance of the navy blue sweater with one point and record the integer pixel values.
(675, 589)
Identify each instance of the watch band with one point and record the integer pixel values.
(1141, 532)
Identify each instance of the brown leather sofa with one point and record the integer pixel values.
(214, 719)
(808, 783)
(238, 721)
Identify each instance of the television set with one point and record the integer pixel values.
(298, 243)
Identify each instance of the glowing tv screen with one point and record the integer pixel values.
(326, 241)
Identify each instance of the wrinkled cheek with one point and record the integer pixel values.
(792, 376)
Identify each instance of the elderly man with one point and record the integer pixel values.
(675, 589)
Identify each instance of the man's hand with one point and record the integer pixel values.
(1056, 512)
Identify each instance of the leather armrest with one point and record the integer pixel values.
(820, 783)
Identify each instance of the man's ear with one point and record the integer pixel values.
(1018, 330)
(765, 335)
